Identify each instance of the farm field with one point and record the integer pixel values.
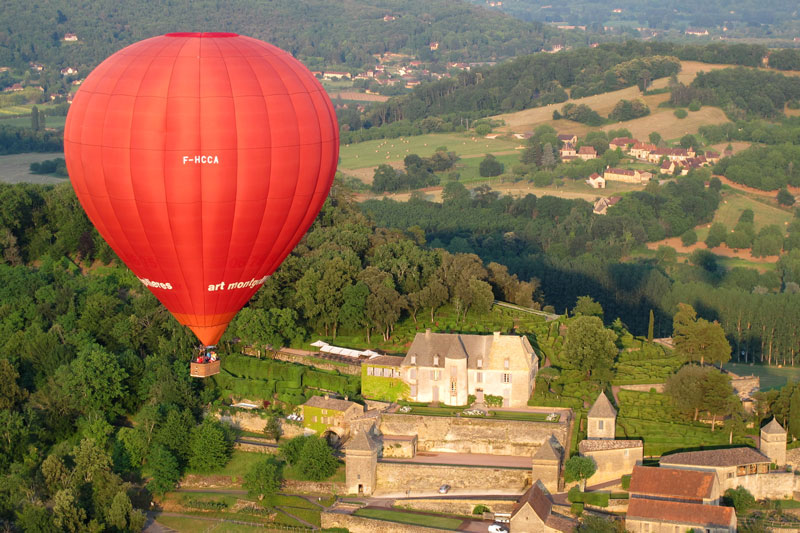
(381, 151)
(16, 168)
(734, 203)
(25, 122)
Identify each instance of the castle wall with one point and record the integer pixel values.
(400, 477)
(359, 524)
(476, 435)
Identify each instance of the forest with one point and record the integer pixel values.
(319, 33)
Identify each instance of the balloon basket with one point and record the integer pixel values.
(205, 370)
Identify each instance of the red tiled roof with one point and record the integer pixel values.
(672, 483)
(621, 171)
(694, 514)
(542, 506)
(743, 455)
(587, 150)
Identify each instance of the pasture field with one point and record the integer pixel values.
(382, 151)
(733, 203)
(25, 121)
(16, 168)
(772, 377)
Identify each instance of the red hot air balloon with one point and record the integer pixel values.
(202, 159)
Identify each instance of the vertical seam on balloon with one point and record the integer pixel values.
(236, 186)
(283, 226)
(232, 296)
(130, 173)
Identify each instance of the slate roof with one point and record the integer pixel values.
(543, 507)
(547, 452)
(602, 408)
(773, 428)
(385, 360)
(673, 483)
(694, 514)
(587, 150)
(469, 347)
(620, 171)
(360, 442)
(743, 455)
(334, 404)
(596, 445)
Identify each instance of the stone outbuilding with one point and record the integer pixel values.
(614, 458)
(323, 414)
(674, 484)
(601, 419)
(773, 442)
(533, 513)
(361, 463)
(546, 464)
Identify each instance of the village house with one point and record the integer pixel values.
(700, 32)
(569, 138)
(334, 75)
(667, 167)
(621, 142)
(14, 88)
(601, 206)
(587, 152)
(674, 484)
(673, 154)
(641, 150)
(323, 413)
(69, 71)
(623, 174)
(533, 512)
(447, 368)
(712, 157)
(70, 37)
(567, 152)
(656, 516)
(596, 181)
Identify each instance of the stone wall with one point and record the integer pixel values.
(255, 448)
(294, 486)
(462, 507)
(615, 463)
(301, 357)
(399, 477)
(359, 524)
(475, 435)
(774, 486)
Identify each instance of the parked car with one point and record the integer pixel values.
(443, 489)
(497, 528)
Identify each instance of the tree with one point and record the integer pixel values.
(67, 514)
(316, 461)
(655, 138)
(586, 306)
(697, 339)
(716, 235)
(119, 512)
(719, 399)
(263, 479)
(685, 391)
(689, 237)
(579, 469)
(290, 450)
(650, 326)
(490, 166)
(95, 380)
(175, 434)
(273, 428)
(165, 470)
(10, 392)
(785, 197)
(740, 498)
(210, 446)
(590, 346)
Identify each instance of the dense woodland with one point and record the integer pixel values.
(319, 33)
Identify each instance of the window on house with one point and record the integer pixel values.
(479, 377)
(435, 360)
(480, 363)
(601, 425)
(452, 386)
(413, 391)
(506, 378)
(412, 374)
(413, 359)
(436, 374)
(324, 411)
(370, 371)
(315, 419)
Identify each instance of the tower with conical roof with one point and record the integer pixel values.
(601, 419)
(773, 442)
(361, 463)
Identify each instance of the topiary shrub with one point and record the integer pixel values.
(681, 113)
(480, 509)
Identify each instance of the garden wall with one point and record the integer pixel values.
(253, 422)
(359, 524)
(302, 357)
(659, 387)
(400, 477)
(475, 435)
(463, 507)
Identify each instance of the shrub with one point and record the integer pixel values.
(689, 237)
(480, 509)
(695, 105)
(576, 509)
(493, 401)
(490, 166)
(681, 113)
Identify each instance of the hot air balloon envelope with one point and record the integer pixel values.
(202, 159)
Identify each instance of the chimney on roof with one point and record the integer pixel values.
(345, 398)
(327, 396)
(428, 333)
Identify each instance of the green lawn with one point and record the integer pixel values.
(772, 377)
(733, 203)
(528, 417)
(291, 473)
(373, 153)
(470, 172)
(442, 522)
(240, 463)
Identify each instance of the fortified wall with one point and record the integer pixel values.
(400, 477)
(475, 435)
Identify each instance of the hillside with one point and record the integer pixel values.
(316, 31)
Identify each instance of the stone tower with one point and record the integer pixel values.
(361, 463)
(773, 442)
(601, 419)
(546, 463)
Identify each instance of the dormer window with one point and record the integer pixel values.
(480, 363)
(505, 364)
(413, 359)
(435, 360)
